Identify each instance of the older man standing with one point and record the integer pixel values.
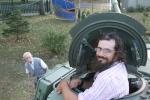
(35, 67)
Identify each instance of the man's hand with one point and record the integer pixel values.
(62, 85)
(74, 83)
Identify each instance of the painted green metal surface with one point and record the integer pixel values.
(48, 82)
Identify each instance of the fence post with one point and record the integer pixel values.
(41, 7)
(115, 6)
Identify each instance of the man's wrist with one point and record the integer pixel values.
(81, 83)
(65, 87)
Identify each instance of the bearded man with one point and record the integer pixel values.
(110, 81)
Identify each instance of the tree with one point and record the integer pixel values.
(16, 25)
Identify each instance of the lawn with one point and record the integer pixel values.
(13, 83)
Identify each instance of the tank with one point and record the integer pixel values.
(84, 35)
(81, 54)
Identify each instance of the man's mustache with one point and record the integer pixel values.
(101, 57)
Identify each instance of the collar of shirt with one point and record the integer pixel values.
(107, 67)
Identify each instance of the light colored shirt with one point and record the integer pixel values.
(109, 84)
(43, 65)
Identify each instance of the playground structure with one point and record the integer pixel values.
(64, 9)
(77, 10)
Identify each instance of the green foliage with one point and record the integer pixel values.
(146, 14)
(56, 42)
(138, 9)
(85, 13)
(145, 18)
(16, 25)
(131, 9)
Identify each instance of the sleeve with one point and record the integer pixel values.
(43, 65)
(100, 90)
(26, 69)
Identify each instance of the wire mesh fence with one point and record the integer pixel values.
(93, 5)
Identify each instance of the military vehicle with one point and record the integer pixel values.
(81, 53)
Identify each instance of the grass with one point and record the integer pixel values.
(13, 83)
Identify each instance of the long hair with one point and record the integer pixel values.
(119, 55)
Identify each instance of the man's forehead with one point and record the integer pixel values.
(106, 43)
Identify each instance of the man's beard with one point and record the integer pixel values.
(98, 65)
(100, 60)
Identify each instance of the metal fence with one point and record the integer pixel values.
(29, 8)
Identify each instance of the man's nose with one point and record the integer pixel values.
(99, 53)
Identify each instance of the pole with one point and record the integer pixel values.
(12, 5)
(114, 6)
(41, 7)
(51, 7)
(79, 10)
(92, 6)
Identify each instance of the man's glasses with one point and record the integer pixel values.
(104, 50)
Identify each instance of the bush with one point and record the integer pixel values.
(138, 9)
(57, 42)
(131, 9)
(148, 9)
(85, 13)
(17, 25)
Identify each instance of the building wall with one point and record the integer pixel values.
(135, 3)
